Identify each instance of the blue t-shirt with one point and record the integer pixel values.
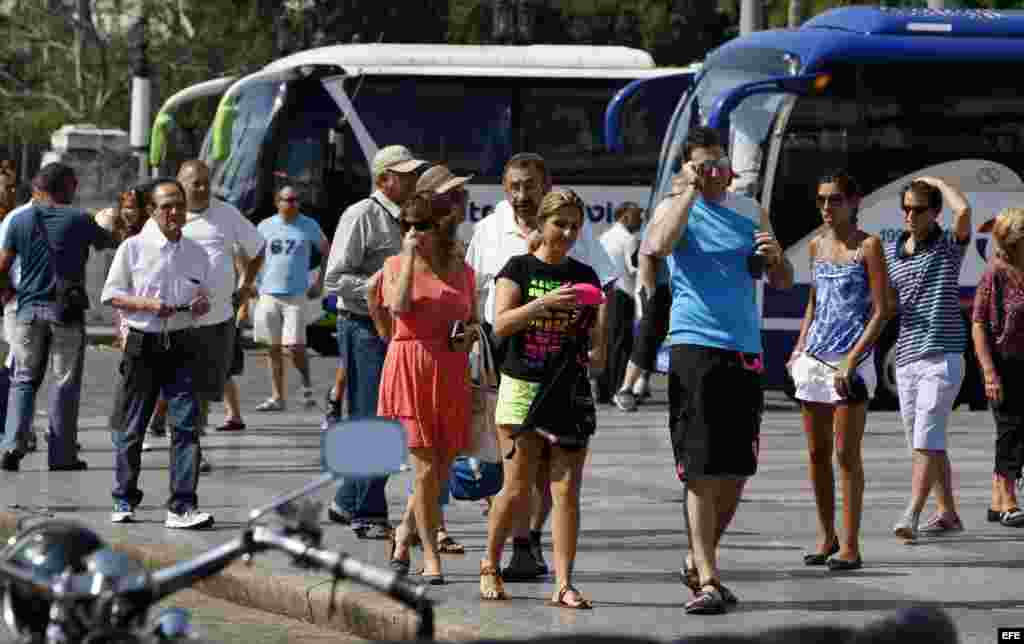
(71, 232)
(714, 298)
(289, 247)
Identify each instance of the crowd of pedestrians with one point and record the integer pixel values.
(575, 321)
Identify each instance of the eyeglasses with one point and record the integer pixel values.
(420, 226)
(290, 199)
(835, 198)
(915, 210)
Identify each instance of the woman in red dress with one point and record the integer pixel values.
(427, 289)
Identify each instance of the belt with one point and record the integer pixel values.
(348, 315)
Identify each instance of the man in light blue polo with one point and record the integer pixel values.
(284, 289)
(717, 245)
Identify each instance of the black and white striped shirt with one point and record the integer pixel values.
(928, 284)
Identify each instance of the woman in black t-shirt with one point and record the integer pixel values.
(540, 310)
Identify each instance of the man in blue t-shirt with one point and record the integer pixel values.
(284, 290)
(717, 245)
(52, 244)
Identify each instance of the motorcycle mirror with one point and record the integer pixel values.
(364, 447)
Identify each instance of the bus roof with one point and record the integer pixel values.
(883, 34)
(477, 60)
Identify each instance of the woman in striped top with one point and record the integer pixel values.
(924, 268)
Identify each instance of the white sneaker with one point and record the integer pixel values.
(308, 401)
(123, 513)
(191, 519)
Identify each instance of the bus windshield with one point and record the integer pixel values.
(750, 122)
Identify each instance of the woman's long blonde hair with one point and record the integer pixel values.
(1008, 231)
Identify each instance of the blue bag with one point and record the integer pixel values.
(472, 479)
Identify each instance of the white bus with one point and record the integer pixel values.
(315, 119)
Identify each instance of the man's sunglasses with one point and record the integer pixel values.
(834, 198)
(915, 210)
(420, 226)
(290, 199)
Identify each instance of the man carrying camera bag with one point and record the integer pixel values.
(52, 242)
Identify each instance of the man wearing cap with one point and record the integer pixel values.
(368, 233)
(497, 238)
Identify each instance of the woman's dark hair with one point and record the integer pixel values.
(701, 137)
(847, 185)
(932, 194)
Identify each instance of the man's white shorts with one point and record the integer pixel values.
(928, 389)
(280, 319)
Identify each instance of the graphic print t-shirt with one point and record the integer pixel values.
(528, 349)
(289, 246)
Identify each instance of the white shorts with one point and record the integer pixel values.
(928, 389)
(816, 383)
(280, 320)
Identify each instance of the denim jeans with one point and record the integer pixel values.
(35, 342)
(362, 354)
(144, 378)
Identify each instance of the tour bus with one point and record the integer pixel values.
(890, 94)
(315, 119)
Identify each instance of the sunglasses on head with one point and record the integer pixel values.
(419, 226)
(834, 198)
(916, 210)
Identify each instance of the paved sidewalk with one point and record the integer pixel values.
(631, 543)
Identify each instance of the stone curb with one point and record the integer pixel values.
(362, 613)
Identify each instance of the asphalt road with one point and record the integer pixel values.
(631, 540)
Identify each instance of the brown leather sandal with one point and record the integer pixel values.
(582, 602)
(492, 586)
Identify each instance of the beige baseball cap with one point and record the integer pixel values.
(440, 179)
(396, 158)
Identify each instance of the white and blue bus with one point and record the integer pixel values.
(889, 94)
(315, 119)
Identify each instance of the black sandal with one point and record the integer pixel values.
(707, 602)
(400, 566)
(820, 558)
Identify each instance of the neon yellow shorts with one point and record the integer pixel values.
(514, 399)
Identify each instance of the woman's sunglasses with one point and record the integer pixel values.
(835, 199)
(915, 210)
(419, 226)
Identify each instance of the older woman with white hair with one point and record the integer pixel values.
(998, 334)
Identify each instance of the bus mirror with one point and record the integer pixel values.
(162, 125)
(799, 85)
(222, 124)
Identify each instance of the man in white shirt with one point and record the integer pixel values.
(222, 231)
(497, 238)
(157, 280)
(621, 241)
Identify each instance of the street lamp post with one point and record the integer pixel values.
(142, 113)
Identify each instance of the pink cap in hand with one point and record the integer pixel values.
(588, 295)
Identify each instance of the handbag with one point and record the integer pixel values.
(858, 388)
(478, 473)
(563, 411)
(70, 298)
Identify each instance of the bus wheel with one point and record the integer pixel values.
(886, 394)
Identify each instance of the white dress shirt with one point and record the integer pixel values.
(220, 229)
(150, 265)
(497, 239)
(620, 244)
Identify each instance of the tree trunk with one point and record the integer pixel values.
(796, 13)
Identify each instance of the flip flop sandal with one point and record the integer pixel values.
(582, 604)
(450, 546)
(491, 576)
